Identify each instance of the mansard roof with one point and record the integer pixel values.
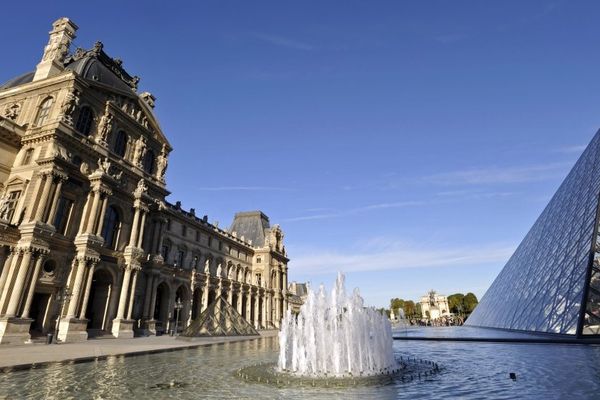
(252, 225)
(19, 80)
(97, 66)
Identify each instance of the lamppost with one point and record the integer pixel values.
(61, 296)
(178, 306)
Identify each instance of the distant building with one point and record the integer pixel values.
(434, 305)
(297, 293)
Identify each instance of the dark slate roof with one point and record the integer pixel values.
(251, 225)
(91, 68)
(19, 80)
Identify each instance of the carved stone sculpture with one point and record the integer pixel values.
(141, 188)
(105, 126)
(68, 106)
(139, 151)
(4, 207)
(162, 164)
(12, 111)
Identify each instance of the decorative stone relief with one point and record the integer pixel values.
(12, 111)
(161, 164)
(69, 105)
(4, 207)
(104, 126)
(141, 188)
(139, 151)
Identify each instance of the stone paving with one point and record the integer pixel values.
(32, 355)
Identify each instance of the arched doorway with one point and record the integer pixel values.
(97, 307)
(161, 307)
(181, 295)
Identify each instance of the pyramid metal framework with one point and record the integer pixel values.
(551, 283)
(219, 319)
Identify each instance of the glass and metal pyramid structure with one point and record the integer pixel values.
(219, 319)
(551, 284)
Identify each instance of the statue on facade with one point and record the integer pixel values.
(207, 267)
(103, 166)
(161, 164)
(139, 151)
(4, 207)
(104, 126)
(141, 188)
(219, 270)
(12, 111)
(69, 104)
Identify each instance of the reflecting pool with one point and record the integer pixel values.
(468, 370)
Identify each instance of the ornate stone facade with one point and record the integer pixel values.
(88, 243)
(434, 306)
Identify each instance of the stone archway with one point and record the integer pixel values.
(182, 294)
(161, 307)
(98, 302)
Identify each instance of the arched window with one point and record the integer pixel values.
(121, 143)
(111, 228)
(44, 111)
(84, 121)
(149, 162)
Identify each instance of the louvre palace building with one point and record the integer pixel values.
(88, 244)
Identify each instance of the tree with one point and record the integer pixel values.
(409, 308)
(396, 304)
(455, 302)
(470, 302)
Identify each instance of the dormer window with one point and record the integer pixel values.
(84, 121)
(44, 111)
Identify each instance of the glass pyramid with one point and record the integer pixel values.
(219, 319)
(551, 283)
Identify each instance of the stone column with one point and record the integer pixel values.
(34, 278)
(84, 218)
(5, 293)
(269, 309)
(141, 231)
(230, 294)
(256, 309)
(88, 287)
(19, 286)
(205, 294)
(238, 306)
(43, 202)
(102, 214)
(263, 312)
(153, 298)
(148, 296)
(132, 294)
(91, 223)
(5, 269)
(55, 200)
(75, 294)
(284, 290)
(37, 193)
(134, 227)
(248, 307)
(123, 295)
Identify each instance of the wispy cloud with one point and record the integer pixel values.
(242, 188)
(357, 210)
(283, 41)
(571, 149)
(399, 256)
(494, 175)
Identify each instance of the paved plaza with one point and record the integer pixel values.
(31, 355)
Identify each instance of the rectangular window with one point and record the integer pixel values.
(63, 215)
(168, 224)
(11, 205)
(258, 279)
(27, 157)
(258, 260)
(183, 230)
(180, 258)
(197, 236)
(210, 241)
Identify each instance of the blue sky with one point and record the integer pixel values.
(409, 144)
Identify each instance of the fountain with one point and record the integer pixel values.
(336, 335)
(335, 341)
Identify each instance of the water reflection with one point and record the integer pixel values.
(469, 370)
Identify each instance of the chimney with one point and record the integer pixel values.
(61, 36)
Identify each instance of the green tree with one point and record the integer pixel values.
(396, 304)
(409, 308)
(470, 302)
(418, 311)
(455, 302)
